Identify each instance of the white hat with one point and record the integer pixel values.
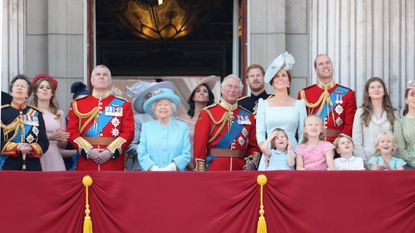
(283, 61)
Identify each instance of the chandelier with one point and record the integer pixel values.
(160, 19)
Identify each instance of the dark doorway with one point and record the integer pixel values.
(206, 50)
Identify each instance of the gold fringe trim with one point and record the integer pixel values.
(262, 224)
(87, 181)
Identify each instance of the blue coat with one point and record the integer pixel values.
(162, 144)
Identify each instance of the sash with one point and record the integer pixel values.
(103, 120)
(26, 128)
(226, 140)
(338, 91)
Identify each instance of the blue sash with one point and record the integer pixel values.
(226, 140)
(103, 120)
(338, 91)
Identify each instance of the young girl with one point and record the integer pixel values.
(385, 149)
(345, 148)
(314, 153)
(280, 156)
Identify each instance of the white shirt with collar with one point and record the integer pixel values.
(350, 163)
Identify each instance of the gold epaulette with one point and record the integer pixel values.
(35, 108)
(121, 98)
(243, 108)
(5, 106)
(210, 106)
(270, 96)
(80, 97)
(243, 97)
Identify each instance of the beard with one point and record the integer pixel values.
(257, 87)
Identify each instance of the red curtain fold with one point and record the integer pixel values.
(295, 201)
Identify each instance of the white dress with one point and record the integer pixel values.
(289, 118)
(364, 138)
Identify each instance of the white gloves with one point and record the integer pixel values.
(171, 167)
(154, 168)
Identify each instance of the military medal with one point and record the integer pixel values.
(30, 138)
(115, 132)
(241, 141)
(35, 130)
(113, 110)
(339, 97)
(31, 120)
(244, 132)
(338, 109)
(115, 122)
(339, 121)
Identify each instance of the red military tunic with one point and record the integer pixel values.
(211, 131)
(103, 124)
(336, 107)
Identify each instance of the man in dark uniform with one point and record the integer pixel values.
(334, 103)
(225, 134)
(23, 131)
(5, 98)
(101, 125)
(255, 80)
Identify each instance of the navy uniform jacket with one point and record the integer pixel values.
(22, 124)
(250, 103)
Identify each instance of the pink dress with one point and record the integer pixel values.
(314, 157)
(52, 159)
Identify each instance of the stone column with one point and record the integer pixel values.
(12, 41)
(365, 39)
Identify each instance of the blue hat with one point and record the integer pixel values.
(139, 90)
(158, 94)
(283, 61)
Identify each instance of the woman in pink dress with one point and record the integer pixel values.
(44, 89)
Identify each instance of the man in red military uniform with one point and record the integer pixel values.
(334, 103)
(225, 134)
(101, 125)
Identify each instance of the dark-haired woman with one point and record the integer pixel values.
(200, 97)
(23, 132)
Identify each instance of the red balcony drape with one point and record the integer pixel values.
(295, 201)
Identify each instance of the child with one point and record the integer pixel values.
(345, 148)
(314, 153)
(383, 158)
(280, 156)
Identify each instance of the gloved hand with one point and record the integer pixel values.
(154, 168)
(171, 167)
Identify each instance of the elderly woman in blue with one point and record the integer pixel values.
(164, 142)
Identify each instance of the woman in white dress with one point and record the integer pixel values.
(44, 90)
(281, 110)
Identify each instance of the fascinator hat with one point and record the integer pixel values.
(139, 91)
(79, 88)
(53, 81)
(158, 94)
(283, 61)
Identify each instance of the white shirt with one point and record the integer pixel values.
(351, 163)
